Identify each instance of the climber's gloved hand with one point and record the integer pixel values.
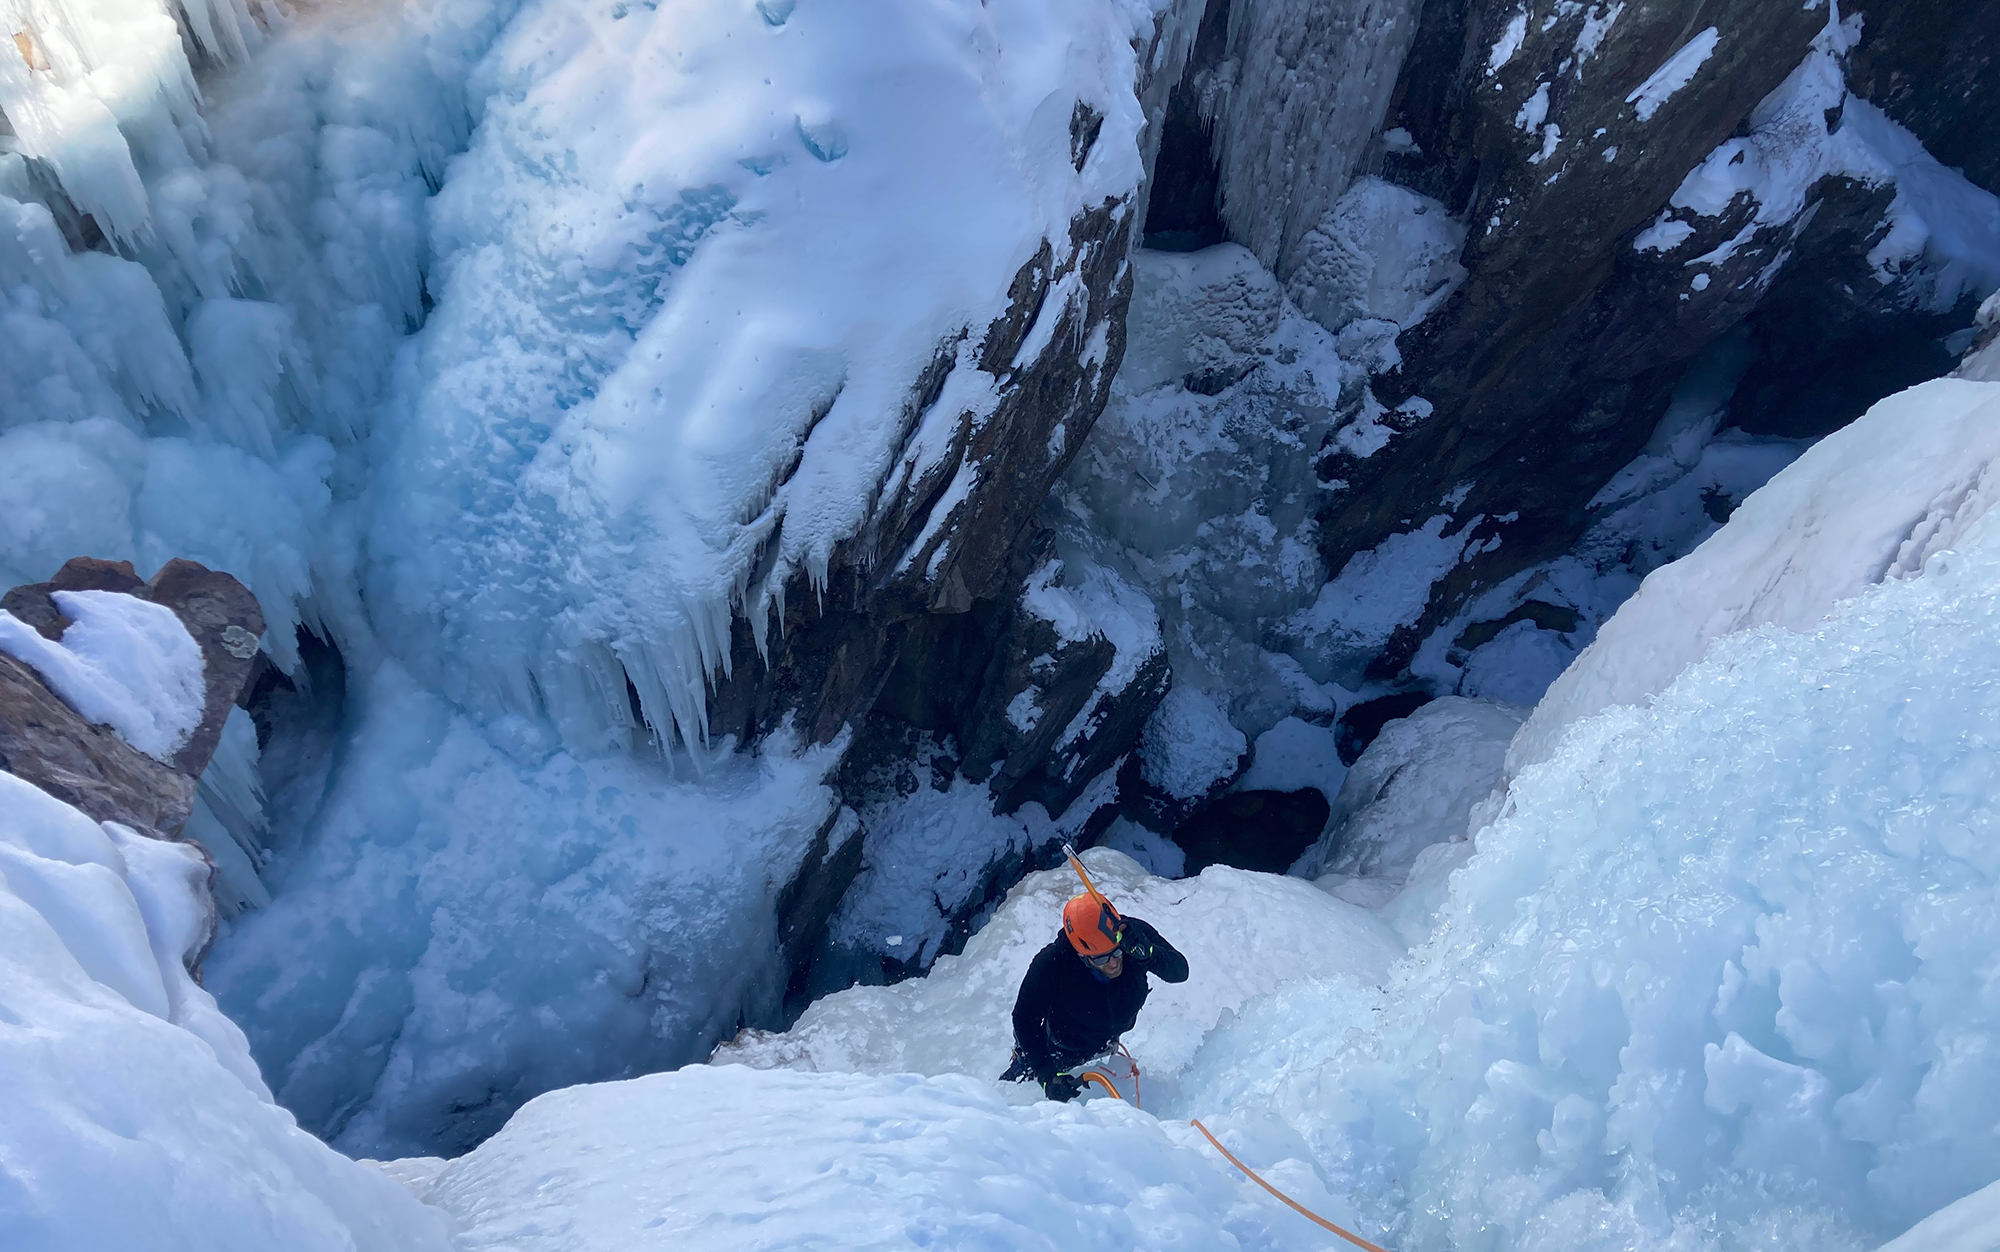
(1138, 940)
(1063, 1088)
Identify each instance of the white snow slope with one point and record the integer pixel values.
(135, 1117)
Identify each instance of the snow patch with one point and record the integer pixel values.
(1675, 73)
(123, 662)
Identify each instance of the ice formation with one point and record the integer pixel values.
(387, 341)
(1717, 975)
(1189, 748)
(1198, 482)
(739, 241)
(1413, 787)
(479, 919)
(135, 1115)
(1899, 484)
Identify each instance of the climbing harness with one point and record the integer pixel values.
(1295, 1206)
(1110, 1084)
(1105, 1081)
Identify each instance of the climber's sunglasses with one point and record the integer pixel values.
(1099, 962)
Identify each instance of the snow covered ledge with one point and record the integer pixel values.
(1870, 503)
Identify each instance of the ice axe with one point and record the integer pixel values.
(1076, 863)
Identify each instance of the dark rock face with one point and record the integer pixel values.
(809, 899)
(835, 648)
(45, 742)
(1549, 367)
(1264, 831)
(1063, 680)
(919, 626)
(1184, 206)
(1934, 66)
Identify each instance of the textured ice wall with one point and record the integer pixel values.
(135, 1116)
(1312, 80)
(1722, 973)
(201, 393)
(688, 276)
(684, 281)
(481, 916)
(1197, 483)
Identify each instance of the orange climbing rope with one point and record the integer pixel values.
(1296, 1207)
(1134, 1063)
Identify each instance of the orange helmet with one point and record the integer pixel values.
(1092, 926)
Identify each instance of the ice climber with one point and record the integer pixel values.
(1083, 990)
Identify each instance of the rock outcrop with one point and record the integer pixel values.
(49, 744)
(44, 741)
(1568, 140)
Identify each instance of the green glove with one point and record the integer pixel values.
(1063, 1088)
(1138, 943)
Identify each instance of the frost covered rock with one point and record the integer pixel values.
(1636, 185)
(1414, 786)
(935, 858)
(1382, 252)
(219, 616)
(1982, 359)
(1295, 754)
(1198, 319)
(1079, 668)
(136, 1118)
(1188, 751)
(121, 662)
(117, 691)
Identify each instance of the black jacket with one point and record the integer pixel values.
(1067, 1013)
